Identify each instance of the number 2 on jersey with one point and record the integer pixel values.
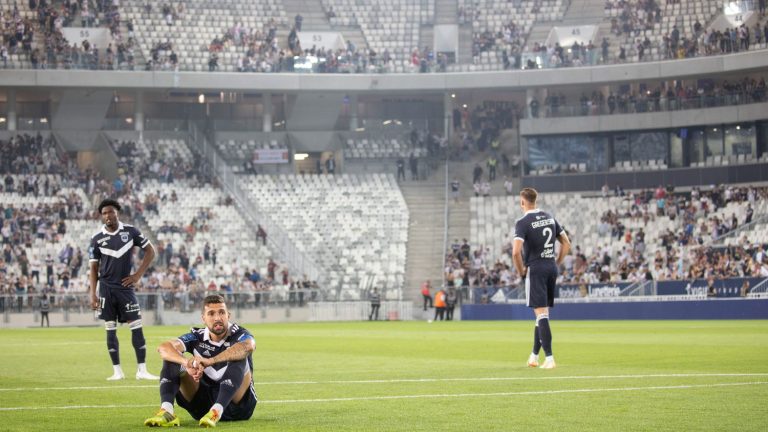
(548, 233)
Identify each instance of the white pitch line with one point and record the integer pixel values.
(78, 388)
(576, 377)
(49, 344)
(418, 380)
(420, 396)
(73, 407)
(523, 393)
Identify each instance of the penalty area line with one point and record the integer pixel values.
(424, 396)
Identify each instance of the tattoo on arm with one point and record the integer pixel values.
(236, 352)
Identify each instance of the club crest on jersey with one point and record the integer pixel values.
(124, 237)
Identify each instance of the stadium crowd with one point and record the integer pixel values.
(265, 54)
(27, 229)
(52, 49)
(682, 254)
(645, 97)
(176, 270)
(638, 16)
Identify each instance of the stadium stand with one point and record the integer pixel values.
(354, 227)
(634, 230)
(501, 29)
(227, 29)
(171, 180)
(368, 146)
(236, 35)
(45, 219)
(664, 30)
(368, 252)
(391, 25)
(194, 218)
(239, 151)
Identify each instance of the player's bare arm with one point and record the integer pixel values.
(236, 352)
(517, 257)
(93, 277)
(171, 350)
(565, 247)
(149, 256)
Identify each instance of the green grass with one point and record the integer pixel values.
(447, 376)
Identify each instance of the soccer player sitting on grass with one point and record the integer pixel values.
(217, 382)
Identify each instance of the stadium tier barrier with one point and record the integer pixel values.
(721, 288)
(182, 308)
(655, 308)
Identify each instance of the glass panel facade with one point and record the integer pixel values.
(562, 152)
(647, 146)
(676, 149)
(654, 150)
(621, 148)
(740, 140)
(714, 141)
(696, 143)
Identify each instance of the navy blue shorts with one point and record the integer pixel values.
(118, 304)
(206, 396)
(540, 286)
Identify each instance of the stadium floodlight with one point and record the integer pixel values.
(300, 156)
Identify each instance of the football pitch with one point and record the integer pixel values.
(415, 376)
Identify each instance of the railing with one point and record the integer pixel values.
(445, 220)
(75, 307)
(32, 124)
(645, 104)
(760, 288)
(735, 233)
(281, 242)
(362, 65)
(640, 288)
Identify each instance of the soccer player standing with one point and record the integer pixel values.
(533, 253)
(217, 383)
(110, 257)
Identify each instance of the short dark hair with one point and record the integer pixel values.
(212, 299)
(109, 202)
(529, 194)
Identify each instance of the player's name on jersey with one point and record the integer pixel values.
(542, 223)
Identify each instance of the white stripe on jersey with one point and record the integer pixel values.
(117, 253)
(212, 373)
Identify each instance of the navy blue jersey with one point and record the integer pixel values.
(538, 231)
(198, 342)
(113, 252)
